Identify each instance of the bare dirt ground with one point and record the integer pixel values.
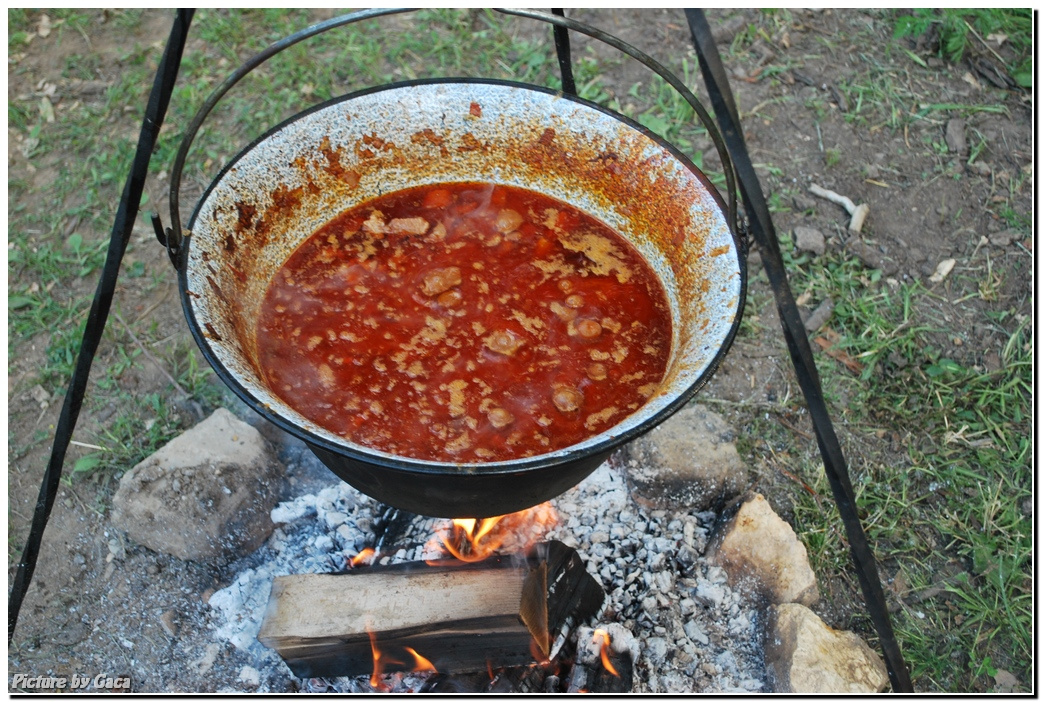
(97, 600)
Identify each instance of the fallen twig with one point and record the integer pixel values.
(833, 197)
(827, 341)
(857, 213)
(794, 429)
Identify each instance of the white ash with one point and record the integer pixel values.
(317, 534)
(659, 588)
(686, 630)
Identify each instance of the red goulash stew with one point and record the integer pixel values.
(465, 323)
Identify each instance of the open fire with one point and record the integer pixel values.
(524, 598)
(672, 622)
(420, 665)
(473, 540)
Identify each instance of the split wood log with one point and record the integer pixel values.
(462, 617)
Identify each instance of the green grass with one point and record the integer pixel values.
(880, 92)
(57, 247)
(957, 29)
(954, 499)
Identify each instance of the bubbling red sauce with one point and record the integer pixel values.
(465, 323)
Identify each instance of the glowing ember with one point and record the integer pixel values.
(604, 646)
(363, 557)
(470, 540)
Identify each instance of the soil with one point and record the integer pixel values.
(101, 603)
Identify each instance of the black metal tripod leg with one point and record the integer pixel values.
(159, 100)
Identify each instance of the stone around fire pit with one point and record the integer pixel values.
(688, 463)
(806, 656)
(762, 554)
(207, 494)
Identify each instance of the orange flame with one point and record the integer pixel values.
(378, 663)
(604, 646)
(362, 557)
(466, 544)
(377, 667)
(470, 540)
(422, 664)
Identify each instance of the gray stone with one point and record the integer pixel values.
(820, 316)
(980, 168)
(226, 485)
(1003, 238)
(804, 655)
(762, 555)
(810, 239)
(689, 462)
(802, 203)
(870, 256)
(955, 136)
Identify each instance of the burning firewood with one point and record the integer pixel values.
(463, 617)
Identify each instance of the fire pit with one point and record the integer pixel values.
(664, 608)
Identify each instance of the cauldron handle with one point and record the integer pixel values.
(173, 236)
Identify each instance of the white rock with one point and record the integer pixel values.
(711, 592)
(293, 510)
(943, 269)
(726, 661)
(761, 554)
(249, 676)
(656, 648)
(675, 683)
(806, 656)
(694, 632)
(204, 663)
(587, 646)
(622, 640)
(334, 519)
